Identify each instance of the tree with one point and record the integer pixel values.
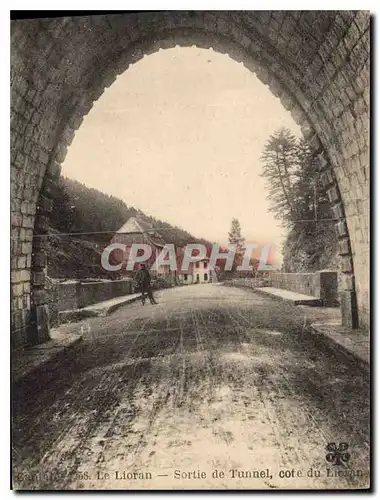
(280, 170)
(299, 200)
(234, 235)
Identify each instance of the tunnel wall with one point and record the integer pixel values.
(317, 63)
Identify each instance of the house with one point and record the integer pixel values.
(139, 231)
(136, 230)
(197, 272)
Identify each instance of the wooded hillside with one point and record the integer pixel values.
(299, 200)
(78, 209)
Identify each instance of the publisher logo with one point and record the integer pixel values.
(337, 455)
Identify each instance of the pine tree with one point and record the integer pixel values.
(280, 170)
(234, 235)
(299, 200)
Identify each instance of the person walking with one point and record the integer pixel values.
(143, 279)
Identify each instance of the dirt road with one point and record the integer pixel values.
(210, 379)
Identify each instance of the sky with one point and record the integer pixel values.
(179, 135)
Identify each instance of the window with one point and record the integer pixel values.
(197, 264)
(197, 278)
(206, 277)
(205, 264)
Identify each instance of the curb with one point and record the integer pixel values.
(113, 308)
(305, 302)
(74, 315)
(339, 348)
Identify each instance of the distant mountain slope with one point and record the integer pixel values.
(79, 209)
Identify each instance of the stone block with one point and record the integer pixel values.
(28, 221)
(40, 243)
(337, 211)
(40, 297)
(275, 87)
(346, 264)
(15, 247)
(327, 178)
(69, 134)
(19, 322)
(352, 37)
(328, 288)
(315, 143)
(26, 248)
(39, 259)
(344, 246)
(26, 301)
(76, 122)
(17, 290)
(346, 282)
(332, 194)
(298, 115)
(349, 309)
(28, 208)
(341, 229)
(21, 160)
(26, 235)
(307, 130)
(286, 101)
(20, 302)
(43, 156)
(20, 276)
(38, 278)
(263, 75)
(16, 219)
(39, 331)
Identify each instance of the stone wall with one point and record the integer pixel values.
(317, 63)
(321, 284)
(306, 283)
(77, 294)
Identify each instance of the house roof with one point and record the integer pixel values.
(135, 226)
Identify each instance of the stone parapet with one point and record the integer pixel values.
(320, 284)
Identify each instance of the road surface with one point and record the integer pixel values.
(213, 380)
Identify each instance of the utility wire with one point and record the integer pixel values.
(80, 233)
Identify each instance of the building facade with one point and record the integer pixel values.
(197, 272)
(137, 231)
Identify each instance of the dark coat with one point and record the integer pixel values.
(143, 277)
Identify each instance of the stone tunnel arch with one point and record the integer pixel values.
(316, 63)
